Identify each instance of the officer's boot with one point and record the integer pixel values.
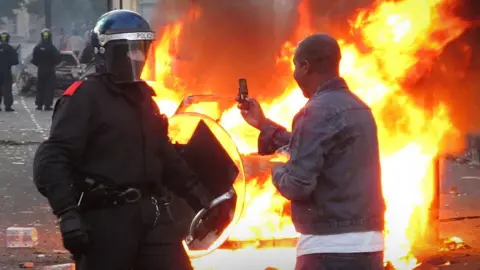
(9, 109)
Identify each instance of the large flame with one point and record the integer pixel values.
(395, 42)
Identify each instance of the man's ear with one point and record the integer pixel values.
(306, 67)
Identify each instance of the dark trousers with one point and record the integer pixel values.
(45, 89)
(341, 261)
(6, 90)
(123, 239)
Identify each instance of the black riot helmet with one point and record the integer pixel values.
(4, 37)
(46, 35)
(121, 42)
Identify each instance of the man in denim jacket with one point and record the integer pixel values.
(333, 177)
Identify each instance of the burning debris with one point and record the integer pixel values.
(395, 42)
(454, 243)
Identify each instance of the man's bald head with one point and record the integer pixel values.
(321, 51)
(317, 60)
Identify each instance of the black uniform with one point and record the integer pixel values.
(108, 165)
(117, 137)
(8, 58)
(46, 57)
(86, 55)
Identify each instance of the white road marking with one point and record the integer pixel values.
(471, 177)
(23, 129)
(34, 120)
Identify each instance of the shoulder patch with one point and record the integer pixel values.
(72, 88)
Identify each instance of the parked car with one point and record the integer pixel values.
(68, 71)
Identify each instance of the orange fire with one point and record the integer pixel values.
(399, 41)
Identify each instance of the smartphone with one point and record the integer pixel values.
(242, 90)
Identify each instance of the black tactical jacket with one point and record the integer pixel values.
(110, 134)
(8, 58)
(46, 57)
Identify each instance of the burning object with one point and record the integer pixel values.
(395, 43)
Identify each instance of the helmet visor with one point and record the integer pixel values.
(4, 37)
(46, 35)
(125, 59)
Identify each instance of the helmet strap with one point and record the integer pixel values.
(100, 59)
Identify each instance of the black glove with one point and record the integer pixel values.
(216, 218)
(198, 198)
(220, 216)
(74, 232)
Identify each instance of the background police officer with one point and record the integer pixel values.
(86, 55)
(45, 57)
(108, 160)
(8, 58)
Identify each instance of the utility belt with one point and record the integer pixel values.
(96, 195)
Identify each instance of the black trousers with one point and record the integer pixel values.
(45, 89)
(6, 90)
(341, 261)
(123, 238)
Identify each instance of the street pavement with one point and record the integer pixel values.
(459, 202)
(21, 205)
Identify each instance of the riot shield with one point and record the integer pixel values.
(213, 156)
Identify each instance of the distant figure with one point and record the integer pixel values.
(8, 58)
(86, 35)
(45, 57)
(75, 43)
(86, 55)
(62, 41)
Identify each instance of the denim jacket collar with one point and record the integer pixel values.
(332, 84)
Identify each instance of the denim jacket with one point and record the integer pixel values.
(333, 177)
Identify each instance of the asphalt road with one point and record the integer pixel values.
(21, 205)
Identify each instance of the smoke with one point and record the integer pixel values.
(242, 39)
(76, 15)
(454, 79)
(234, 39)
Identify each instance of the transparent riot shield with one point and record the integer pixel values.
(212, 154)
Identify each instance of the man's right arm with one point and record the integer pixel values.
(57, 56)
(56, 158)
(14, 57)
(34, 60)
(272, 137)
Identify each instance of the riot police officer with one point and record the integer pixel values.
(45, 57)
(108, 165)
(8, 58)
(86, 55)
